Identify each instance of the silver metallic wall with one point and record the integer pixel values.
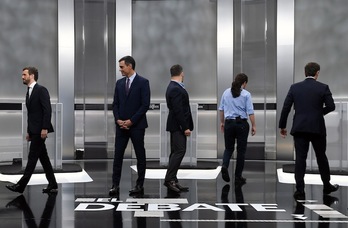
(285, 68)
(94, 74)
(165, 33)
(66, 66)
(271, 41)
(29, 36)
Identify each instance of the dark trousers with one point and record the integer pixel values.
(37, 151)
(302, 141)
(121, 141)
(235, 130)
(178, 143)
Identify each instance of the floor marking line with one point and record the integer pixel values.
(270, 221)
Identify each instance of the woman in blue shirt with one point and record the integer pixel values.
(235, 108)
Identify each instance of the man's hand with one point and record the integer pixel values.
(187, 132)
(44, 133)
(283, 132)
(124, 124)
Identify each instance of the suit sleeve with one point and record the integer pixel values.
(178, 108)
(328, 101)
(289, 100)
(46, 108)
(145, 102)
(115, 104)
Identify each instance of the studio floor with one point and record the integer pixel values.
(264, 201)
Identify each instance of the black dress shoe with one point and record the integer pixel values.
(300, 195)
(114, 191)
(225, 175)
(137, 190)
(239, 180)
(172, 186)
(15, 188)
(330, 188)
(181, 188)
(50, 189)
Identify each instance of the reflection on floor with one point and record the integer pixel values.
(262, 202)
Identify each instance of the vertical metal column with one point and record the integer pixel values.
(66, 65)
(285, 70)
(123, 29)
(224, 58)
(123, 40)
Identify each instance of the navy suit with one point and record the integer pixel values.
(179, 120)
(134, 107)
(312, 100)
(39, 117)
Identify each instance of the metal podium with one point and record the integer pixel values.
(190, 158)
(337, 143)
(53, 142)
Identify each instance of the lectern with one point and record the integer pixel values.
(190, 158)
(53, 142)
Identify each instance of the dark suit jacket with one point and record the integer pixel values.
(178, 103)
(135, 105)
(39, 110)
(312, 100)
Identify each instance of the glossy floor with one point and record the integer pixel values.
(261, 202)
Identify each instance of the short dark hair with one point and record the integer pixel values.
(128, 60)
(311, 69)
(32, 70)
(176, 70)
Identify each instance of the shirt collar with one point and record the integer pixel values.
(131, 78)
(312, 77)
(32, 85)
(180, 83)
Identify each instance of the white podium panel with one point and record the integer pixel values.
(190, 157)
(53, 142)
(337, 143)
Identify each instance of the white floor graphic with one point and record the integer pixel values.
(200, 174)
(39, 179)
(289, 178)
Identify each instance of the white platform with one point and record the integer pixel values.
(200, 174)
(314, 179)
(40, 179)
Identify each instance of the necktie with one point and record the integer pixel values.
(127, 86)
(27, 95)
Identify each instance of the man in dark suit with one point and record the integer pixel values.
(131, 102)
(312, 100)
(39, 125)
(179, 124)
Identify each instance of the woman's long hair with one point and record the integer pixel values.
(237, 84)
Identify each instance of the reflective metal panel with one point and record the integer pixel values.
(224, 58)
(28, 38)
(321, 36)
(285, 70)
(123, 36)
(165, 33)
(66, 57)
